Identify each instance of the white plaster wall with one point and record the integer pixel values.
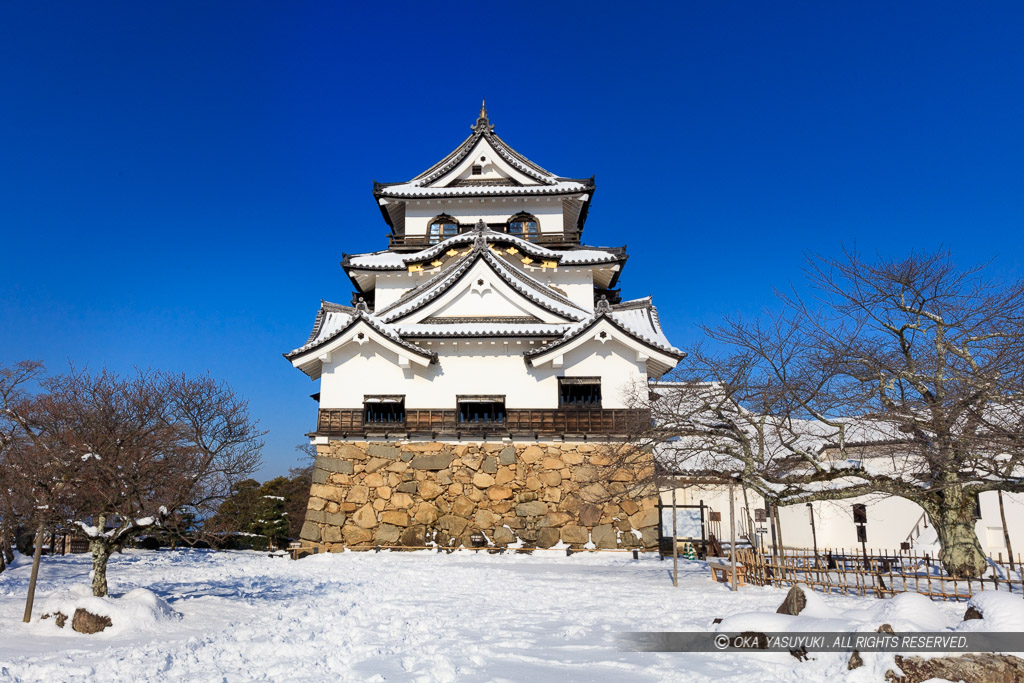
(389, 287)
(492, 167)
(468, 211)
(577, 283)
(890, 519)
(474, 367)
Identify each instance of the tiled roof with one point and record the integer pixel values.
(639, 322)
(477, 329)
(337, 323)
(388, 260)
(536, 292)
(410, 190)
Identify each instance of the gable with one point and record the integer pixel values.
(359, 333)
(494, 170)
(599, 337)
(482, 292)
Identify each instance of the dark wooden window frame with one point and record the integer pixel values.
(579, 392)
(524, 232)
(442, 222)
(384, 409)
(481, 409)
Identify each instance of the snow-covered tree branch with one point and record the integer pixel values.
(900, 377)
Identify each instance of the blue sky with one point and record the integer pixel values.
(178, 180)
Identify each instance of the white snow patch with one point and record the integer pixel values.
(1000, 612)
(137, 610)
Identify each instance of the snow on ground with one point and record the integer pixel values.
(405, 616)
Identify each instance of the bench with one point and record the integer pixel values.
(724, 565)
(299, 553)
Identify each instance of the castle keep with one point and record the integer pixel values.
(479, 380)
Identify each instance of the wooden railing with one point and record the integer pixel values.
(614, 422)
(548, 239)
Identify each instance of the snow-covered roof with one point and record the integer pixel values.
(641, 316)
(483, 134)
(329, 319)
(332, 324)
(411, 190)
(389, 260)
(451, 273)
(482, 329)
(638, 319)
(510, 174)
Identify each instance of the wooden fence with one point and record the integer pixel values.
(881, 574)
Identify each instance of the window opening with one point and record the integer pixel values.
(443, 227)
(524, 226)
(482, 409)
(579, 392)
(384, 410)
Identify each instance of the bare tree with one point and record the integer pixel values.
(900, 377)
(35, 471)
(140, 450)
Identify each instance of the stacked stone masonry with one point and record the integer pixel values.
(418, 494)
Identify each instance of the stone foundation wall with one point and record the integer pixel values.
(415, 494)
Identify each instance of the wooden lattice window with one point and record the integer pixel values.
(524, 225)
(383, 410)
(482, 409)
(579, 392)
(443, 227)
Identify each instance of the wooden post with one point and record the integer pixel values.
(37, 553)
(778, 524)
(1006, 532)
(749, 522)
(675, 543)
(814, 533)
(770, 514)
(732, 533)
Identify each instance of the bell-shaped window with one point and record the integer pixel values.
(524, 225)
(443, 227)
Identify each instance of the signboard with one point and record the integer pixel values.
(860, 513)
(687, 522)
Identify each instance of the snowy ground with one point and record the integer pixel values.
(402, 616)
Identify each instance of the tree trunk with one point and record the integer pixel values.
(5, 545)
(100, 554)
(37, 552)
(953, 516)
(1006, 530)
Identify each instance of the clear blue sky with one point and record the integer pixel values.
(178, 180)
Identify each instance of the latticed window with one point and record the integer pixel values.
(383, 410)
(443, 227)
(482, 409)
(579, 392)
(523, 225)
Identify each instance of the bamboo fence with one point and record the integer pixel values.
(881, 573)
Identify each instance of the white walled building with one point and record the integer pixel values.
(484, 305)
(891, 520)
(482, 355)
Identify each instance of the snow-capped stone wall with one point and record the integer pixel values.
(415, 494)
